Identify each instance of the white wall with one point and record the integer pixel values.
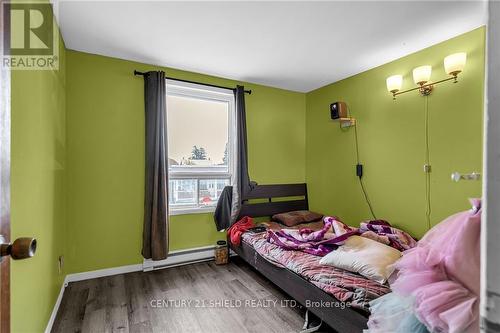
(490, 242)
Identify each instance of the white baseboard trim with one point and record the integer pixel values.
(175, 258)
(103, 272)
(56, 308)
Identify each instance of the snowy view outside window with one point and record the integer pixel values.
(199, 152)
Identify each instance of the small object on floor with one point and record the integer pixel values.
(257, 230)
(221, 253)
(314, 328)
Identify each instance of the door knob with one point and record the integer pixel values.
(22, 248)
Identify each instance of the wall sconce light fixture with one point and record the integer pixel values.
(453, 65)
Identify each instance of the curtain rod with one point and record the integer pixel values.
(187, 81)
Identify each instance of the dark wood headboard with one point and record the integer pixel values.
(270, 192)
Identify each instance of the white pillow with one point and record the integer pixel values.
(367, 257)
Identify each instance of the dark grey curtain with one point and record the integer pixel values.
(229, 204)
(245, 185)
(155, 231)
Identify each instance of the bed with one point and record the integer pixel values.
(317, 296)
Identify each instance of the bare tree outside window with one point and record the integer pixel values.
(225, 158)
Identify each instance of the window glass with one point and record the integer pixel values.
(200, 121)
(182, 192)
(210, 190)
(197, 134)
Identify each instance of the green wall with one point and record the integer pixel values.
(391, 135)
(78, 147)
(105, 158)
(38, 195)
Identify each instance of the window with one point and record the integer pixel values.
(200, 121)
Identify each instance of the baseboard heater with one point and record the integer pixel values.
(180, 257)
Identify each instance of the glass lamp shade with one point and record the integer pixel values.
(455, 63)
(422, 74)
(394, 83)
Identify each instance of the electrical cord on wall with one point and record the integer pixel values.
(427, 167)
(359, 168)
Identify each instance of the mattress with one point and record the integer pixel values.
(350, 288)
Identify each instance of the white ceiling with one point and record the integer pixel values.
(298, 46)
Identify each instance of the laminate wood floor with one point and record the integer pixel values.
(201, 297)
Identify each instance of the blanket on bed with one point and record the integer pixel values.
(345, 286)
(309, 240)
(334, 232)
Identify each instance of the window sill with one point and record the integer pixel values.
(186, 211)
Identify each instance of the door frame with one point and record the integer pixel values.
(490, 229)
(5, 169)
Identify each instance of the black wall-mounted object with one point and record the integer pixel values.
(338, 110)
(359, 170)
